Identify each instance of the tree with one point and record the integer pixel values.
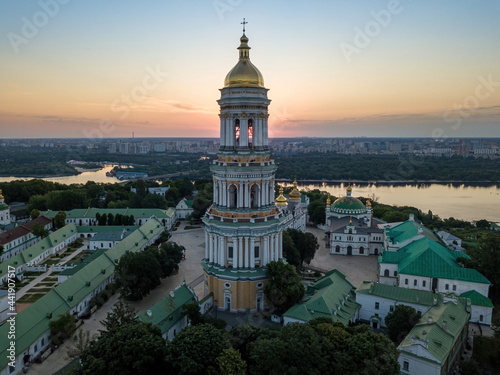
(298, 349)
(34, 214)
(483, 223)
(317, 212)
(228, 362)
(400, 322)
(83, 340)
(290, 252)
(369, 353)
(284, 287)
(192, 310)
(305, 243)
(60, 219)
(195, 350)
(154, 201)
(39, 230)
(136, 274)
(486, 259)
(62, 328)
(121, 315)
(135, 348)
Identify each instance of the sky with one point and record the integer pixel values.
(335, 68)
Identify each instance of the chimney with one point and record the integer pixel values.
(430, 320)
(444, 325)
(412, 217)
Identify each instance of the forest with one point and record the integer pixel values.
(43, 162)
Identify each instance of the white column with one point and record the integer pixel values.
(222, 129)
(222, 259)
(211, 244)
(252, 252)
(216, 248)
(243, 132)
(229, 133)
(264, 193)
(264, 130)
(240, 252)
(247, 253)
(271, 247)
(247, 195)
(235, 252)
(224, 194)
(276, 247)
(240, 196)
(206, 245)
(281, 245)
(266, 251)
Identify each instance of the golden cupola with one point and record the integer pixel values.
(295, 193)
(244, 73)
(281, 200)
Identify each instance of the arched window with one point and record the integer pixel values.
(337, 249)
(250, 133)
(255, 196)
(386, 273)
(233, 196)
(361, 250)
(237, 132)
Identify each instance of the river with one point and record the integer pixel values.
(445, 200)
(464, 202)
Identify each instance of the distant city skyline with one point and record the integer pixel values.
(82, 69)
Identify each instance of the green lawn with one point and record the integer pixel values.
(27, 298)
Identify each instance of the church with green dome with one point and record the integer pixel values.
(351, 227)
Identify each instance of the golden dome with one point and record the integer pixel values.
(281, 200)
(295, 193)
(244, 73)
(368, 203)
(1, 196)
(328, 201)
(349, 188)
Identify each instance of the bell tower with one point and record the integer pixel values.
(243, 227)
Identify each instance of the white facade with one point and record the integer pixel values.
(183, 209)
(413, 365)
(4, 211)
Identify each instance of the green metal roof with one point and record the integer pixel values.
(439, 328)
(79, 264)
(105, 228)
(427, 258)
(477, 299)
(32, 322)
(52, 240)
(407, 230)
(399, 294)
(332, 297)
(138, 213)
(3, 207)
(348, 203)
(168, 311)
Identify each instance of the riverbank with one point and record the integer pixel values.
(393, 182)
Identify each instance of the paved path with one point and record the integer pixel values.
(190, 270)
(356, 268)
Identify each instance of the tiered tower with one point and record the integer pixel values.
(243, 227)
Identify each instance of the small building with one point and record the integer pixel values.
(427, 265)
(184, 208)
(130, 175)
(38, 252)
(21, 237)
(351, 228)
(332, 296)
(402, 234)
(435, 343)
(154, 190)
(107, 239)
(167, 314)
(4, 211)
(453, 242)
(87, 216)
(294, 206)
